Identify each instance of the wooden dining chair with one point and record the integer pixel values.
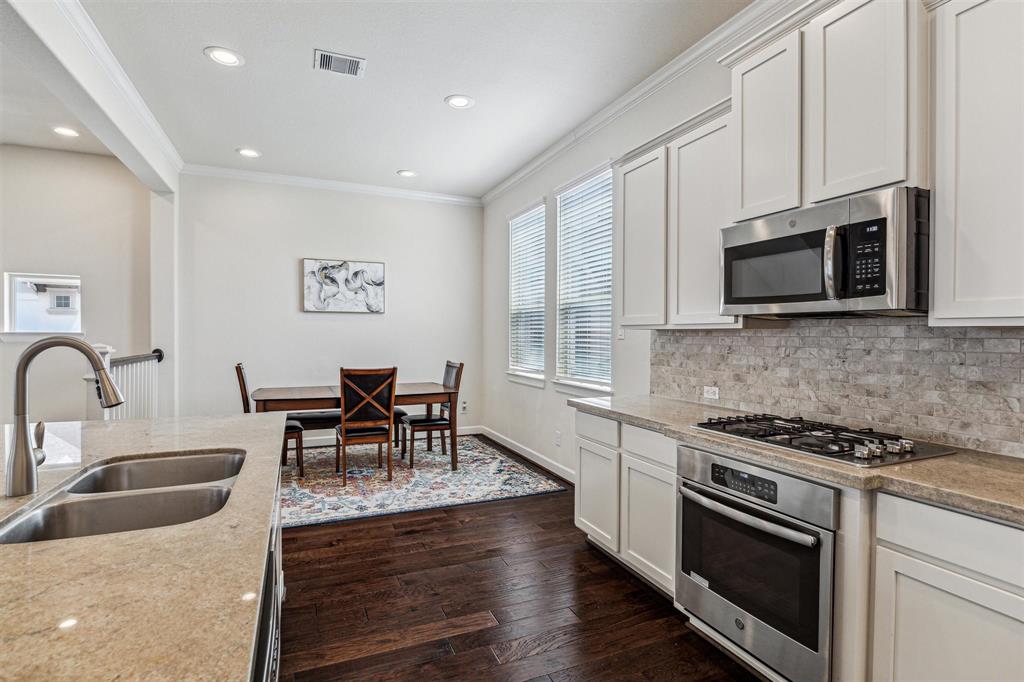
(292, 428)
(419, 423)
(367, 414)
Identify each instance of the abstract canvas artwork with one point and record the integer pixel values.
(342, 286)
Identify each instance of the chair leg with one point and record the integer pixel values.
(390, 450)
(405, 439)
(344, 463)
(284, 450)
(412, 444)
(402, 451)
(337, 453)
(380, 455)
(444, 450)
(298, 455)
(455, 449)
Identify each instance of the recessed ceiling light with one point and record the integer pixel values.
(224, 56)
(65, 131)
(459, 101)
(406, 173)
(249, 152)
(69, 623)
(248, 596)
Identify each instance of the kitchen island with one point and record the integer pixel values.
(174, 602)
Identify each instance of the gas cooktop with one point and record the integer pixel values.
(859, 447)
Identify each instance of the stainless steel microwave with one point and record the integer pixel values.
(862, 255)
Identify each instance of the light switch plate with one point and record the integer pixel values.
(711, 392)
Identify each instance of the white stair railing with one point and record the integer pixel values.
(137, 377)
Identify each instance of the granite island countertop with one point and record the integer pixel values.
(173, 603)
(972, 481)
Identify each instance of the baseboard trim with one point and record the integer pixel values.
(540, 460)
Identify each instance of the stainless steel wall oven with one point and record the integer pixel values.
(754, 560)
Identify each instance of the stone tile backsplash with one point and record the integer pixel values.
(957, 385)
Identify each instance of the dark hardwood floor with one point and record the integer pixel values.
(504, 590)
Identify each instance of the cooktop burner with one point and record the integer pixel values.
(860, 447)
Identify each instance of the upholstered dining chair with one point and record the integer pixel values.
(292, 428)
(367, 414)
(417, 423)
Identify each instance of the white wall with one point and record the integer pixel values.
(534, 417)
(242, 244)
(78, 214)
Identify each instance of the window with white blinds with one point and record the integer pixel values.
(526, 292)
(584, 348)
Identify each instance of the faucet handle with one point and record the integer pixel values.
(40, 435)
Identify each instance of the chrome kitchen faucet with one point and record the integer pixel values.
(23, 458)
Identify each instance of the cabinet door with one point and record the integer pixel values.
(648, 520)
(766, 107)
(700, 169)
(855, 60)
(597, 493)
(640, 239)
(979, 163)
(931, 623)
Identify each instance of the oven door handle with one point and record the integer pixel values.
(749, 520)
(828, 262)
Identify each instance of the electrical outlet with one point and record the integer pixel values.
(711, 392)
(558, 438)
(464, 407)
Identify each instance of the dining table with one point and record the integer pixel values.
(296, 398)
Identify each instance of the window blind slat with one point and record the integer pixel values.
(526, 292)
(584, 339)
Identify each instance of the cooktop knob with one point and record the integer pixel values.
(906, 445)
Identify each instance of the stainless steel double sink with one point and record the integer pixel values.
(130, 495)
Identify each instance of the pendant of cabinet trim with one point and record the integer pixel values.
(671, 204)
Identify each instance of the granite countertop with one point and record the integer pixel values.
(973, 481)
(173, 603)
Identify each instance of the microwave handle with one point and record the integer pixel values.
(748, 520)
(828, 261)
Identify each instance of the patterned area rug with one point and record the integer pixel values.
(485, 473)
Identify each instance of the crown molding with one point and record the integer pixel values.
(750, 22)
(773, 31)
(720, 108)
(332, 185)
(82, 23)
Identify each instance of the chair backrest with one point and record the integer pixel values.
(453, 374)
(243, 386)
(368, 397)
(452, 378)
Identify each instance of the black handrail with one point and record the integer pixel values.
(156, 353)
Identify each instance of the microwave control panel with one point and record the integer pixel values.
(867, 258)
(748, 484)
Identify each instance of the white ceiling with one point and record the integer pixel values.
(536, 69)
(29, 112)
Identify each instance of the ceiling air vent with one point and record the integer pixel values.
(339, 63)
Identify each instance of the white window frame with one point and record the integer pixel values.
(561, 377)
(7, 330)
(527, 375)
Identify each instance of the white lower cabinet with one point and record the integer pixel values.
(625, 497)
(949, 596)
(597, 492)
(647, 515)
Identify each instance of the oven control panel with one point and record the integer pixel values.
(867, 258)
(748, 484)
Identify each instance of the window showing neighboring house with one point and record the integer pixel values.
(584, 346)
(526, 293)
(42, 303)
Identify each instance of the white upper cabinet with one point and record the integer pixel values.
(766, 107)
(640, 239)
(700, 196)
(978, 235)
(855, 98)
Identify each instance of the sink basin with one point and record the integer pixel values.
(159, 472)
(77, 517)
